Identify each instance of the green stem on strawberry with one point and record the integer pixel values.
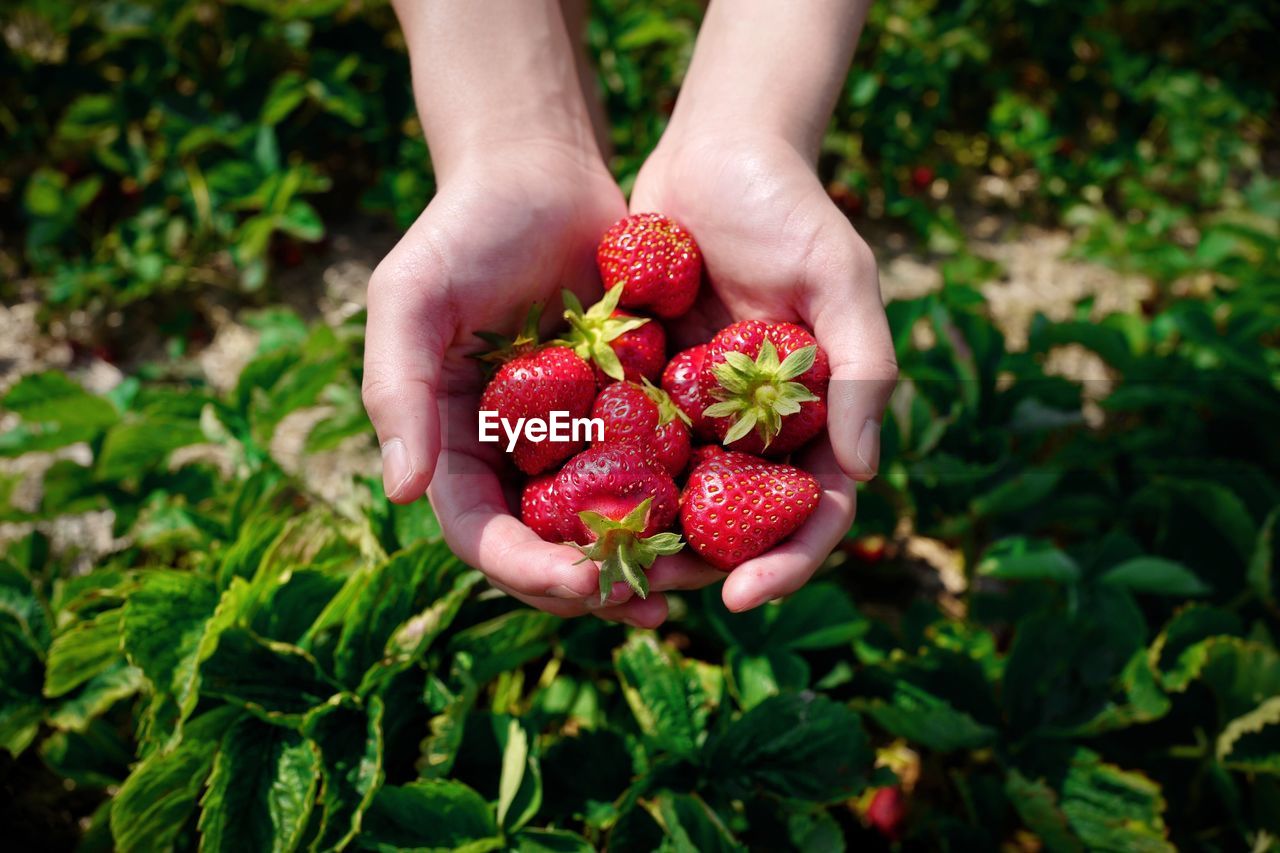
(759, 394)
(622, 552)
(668, 411)
(592, 330)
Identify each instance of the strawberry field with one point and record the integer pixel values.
(1052, 626)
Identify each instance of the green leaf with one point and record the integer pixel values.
(1157, 576)
(164, 622)
(1180, 652)
(286, 93)
(1037, 805)
(1026, 560)
(1261, 574)
(520, 783)
(102, 691)
(691, 825)
(134, 447)
(53, 398)
(550, 841)
(154, 803)
(351, 750)
(921, 717)
(818, 616)
(664, 693)
(275, 680)
(426, 580)
(506, 642)
(1251, 742)
(261, 790)
(436, 814)
(797, 745)
(752, 678)
(83, 651)
(1113, 809)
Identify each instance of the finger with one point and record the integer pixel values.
(638, 612)
(848, 319)
(469, 502)
(789, 566)
(683, 571)
(407, 331)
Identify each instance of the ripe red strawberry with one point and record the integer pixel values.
(737, 506)
(534, 381)
(616, 502)
(887, 812)
(770, 381)
(681, 381)
(647, 418)
(620, 345)
(656, 261)
(539, 509)
(703, 453)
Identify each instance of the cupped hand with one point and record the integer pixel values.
(509, 229)
(775, 248)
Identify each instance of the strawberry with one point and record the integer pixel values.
(887, 812)
(770, 381)
(680, 380)
(703, 453)
(620, 345)
(656, 261)
(539, 509)
(615, 502)
(737, 506)
(535, 381)
(646, 417)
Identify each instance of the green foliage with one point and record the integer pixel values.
(253, 668)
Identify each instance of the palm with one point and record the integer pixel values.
(775, 248)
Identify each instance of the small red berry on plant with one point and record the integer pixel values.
(655, 260)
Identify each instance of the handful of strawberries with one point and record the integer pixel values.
(715, 418)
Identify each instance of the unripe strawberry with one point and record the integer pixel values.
(647, 418)
(769, 383)
(736, 506)
(656, 261)
(619, 345)
(615, 502)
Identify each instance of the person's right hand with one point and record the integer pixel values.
(506, 229)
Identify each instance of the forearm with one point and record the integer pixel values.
(493, 74)
(763, 65)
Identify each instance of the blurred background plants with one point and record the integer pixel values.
(1053, 625)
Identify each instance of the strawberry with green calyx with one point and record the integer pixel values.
(616, 504)
(620, 345)
(645, 416)
(657, 261)
(681, 381)
(736, 506)
(769, 383)
(533, 381)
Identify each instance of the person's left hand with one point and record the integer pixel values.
(776, 248)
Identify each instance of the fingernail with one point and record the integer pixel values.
(396, 469)
(869, 446)
(562, 591)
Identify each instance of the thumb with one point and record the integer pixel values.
(405, 337)
(850, 324)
